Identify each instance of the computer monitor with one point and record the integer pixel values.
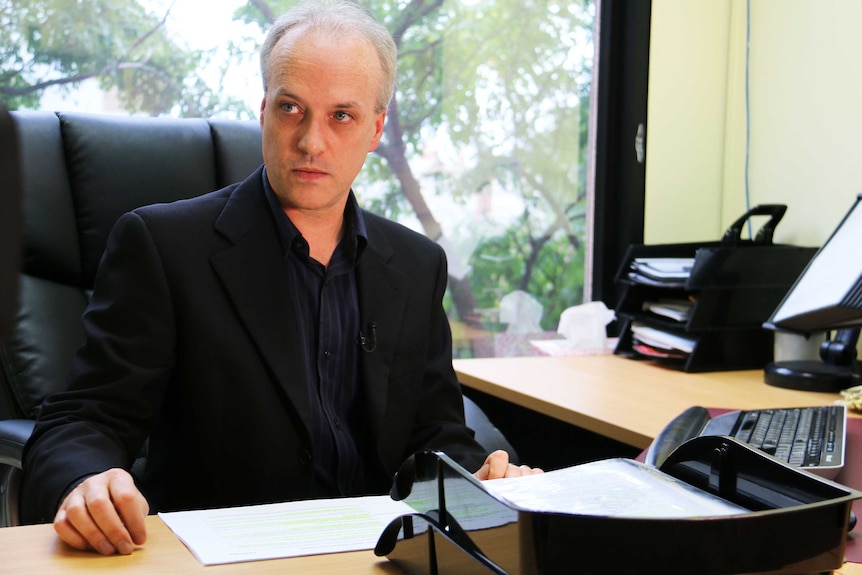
(826, 298)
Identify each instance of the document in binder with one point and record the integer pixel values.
(715, 506)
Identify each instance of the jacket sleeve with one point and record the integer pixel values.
(117, 378)
(440, 423)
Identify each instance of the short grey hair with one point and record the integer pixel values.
(337, 16)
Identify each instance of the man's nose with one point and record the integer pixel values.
(311, 139)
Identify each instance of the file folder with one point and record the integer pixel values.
(791, 522)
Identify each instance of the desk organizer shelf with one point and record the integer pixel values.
(732, 285)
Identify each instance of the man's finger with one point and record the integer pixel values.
(67, 532)
(132, 509)
(102, 503)
(77, 515)
(499, 462)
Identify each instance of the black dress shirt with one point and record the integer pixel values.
(327, 310)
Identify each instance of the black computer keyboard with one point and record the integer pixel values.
(806, 437)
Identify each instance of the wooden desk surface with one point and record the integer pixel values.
(627, 400)
(624, 399)
(36, 549)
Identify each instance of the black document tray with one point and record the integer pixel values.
(734, 285)
(797, 524)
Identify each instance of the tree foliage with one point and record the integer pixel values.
(490, 112)
(119, 43)
(508, 83)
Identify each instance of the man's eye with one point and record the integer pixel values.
(342, 116)
(291, 108)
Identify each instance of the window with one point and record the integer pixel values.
(490, 155)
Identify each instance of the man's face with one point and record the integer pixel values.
(318, 117)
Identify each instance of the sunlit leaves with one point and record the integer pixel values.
(118, 42)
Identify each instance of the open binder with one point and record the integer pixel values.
(789, 522)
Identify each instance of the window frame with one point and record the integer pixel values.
(621, 107)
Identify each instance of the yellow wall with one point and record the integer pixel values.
(805, 90)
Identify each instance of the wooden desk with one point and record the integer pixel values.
(36, 550)
(623, 399)
(627, 400)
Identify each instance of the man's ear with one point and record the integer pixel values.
(379, 121)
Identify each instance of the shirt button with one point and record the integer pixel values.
(337, 423)
(327, 354)
(304, 457)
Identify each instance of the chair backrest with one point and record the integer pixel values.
(80, 172)
(10, 223)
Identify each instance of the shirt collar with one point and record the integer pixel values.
(354, 223)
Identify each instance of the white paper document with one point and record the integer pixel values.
(664, 268)
(611, 488)
(675, 309)
(565, 347)
(258, 532)
(662, 339)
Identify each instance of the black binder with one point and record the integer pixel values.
(797, 523)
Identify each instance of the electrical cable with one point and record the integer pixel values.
(747, 109)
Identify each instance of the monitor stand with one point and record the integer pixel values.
(808, 375)
(836, 371)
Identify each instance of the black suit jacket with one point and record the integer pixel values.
(191, 341)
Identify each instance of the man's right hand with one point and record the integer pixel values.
(105, 513)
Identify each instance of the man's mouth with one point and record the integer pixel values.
(309, 172)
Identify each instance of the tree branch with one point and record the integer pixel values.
(411, 14)
(9, 91)
(23, 91)
(152, 30)
(264, 8)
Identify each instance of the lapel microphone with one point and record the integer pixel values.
(369, 343)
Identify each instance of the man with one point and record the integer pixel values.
(271, 339)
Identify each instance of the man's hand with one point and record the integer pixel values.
(105, 513)
(497, 466)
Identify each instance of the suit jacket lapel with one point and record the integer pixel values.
(254, 276)
(382, 297)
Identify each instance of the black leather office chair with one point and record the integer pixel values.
(10, 223)
(10, 242)
(80, 172)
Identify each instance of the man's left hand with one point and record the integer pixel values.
(497, 466)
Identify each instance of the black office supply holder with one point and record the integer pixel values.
(797, 523)
(735, 285)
